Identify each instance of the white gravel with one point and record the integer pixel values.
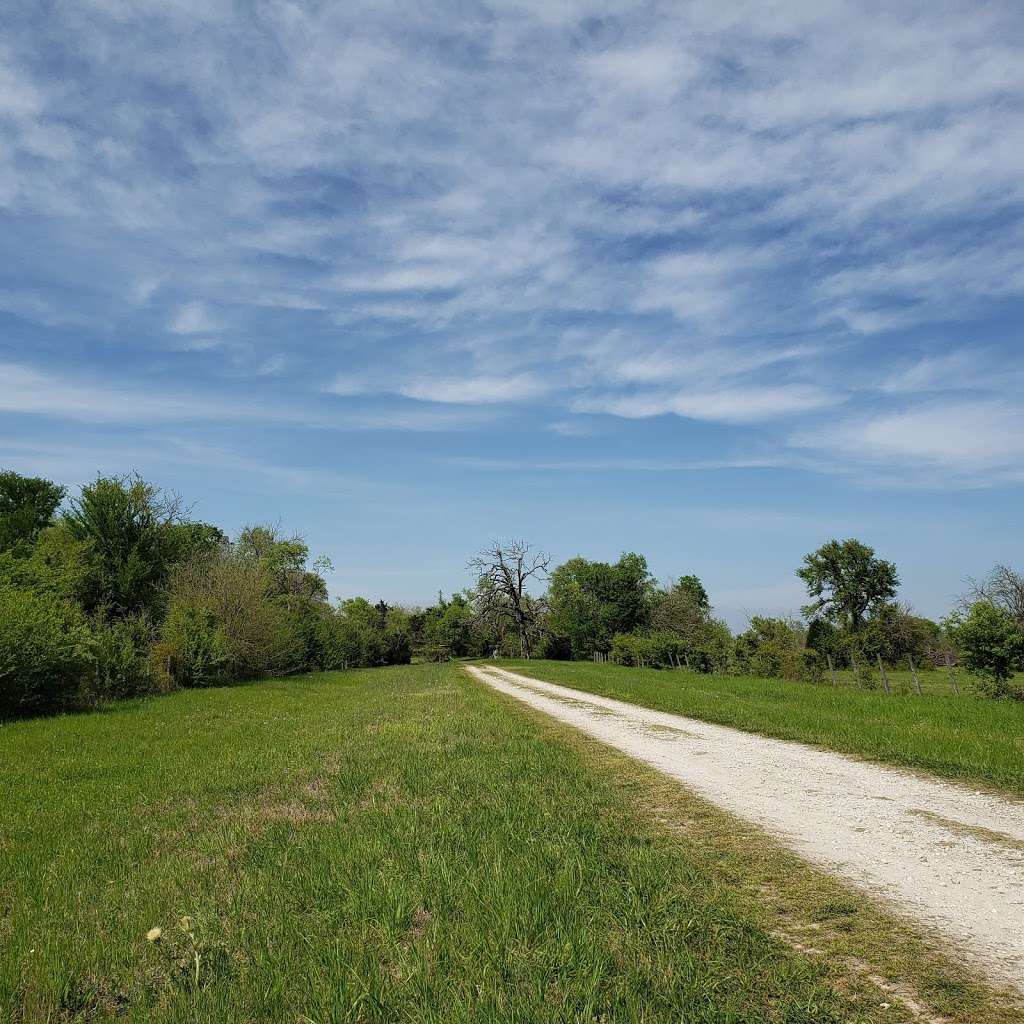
(908, 839)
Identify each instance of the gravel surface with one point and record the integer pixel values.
(947, 855)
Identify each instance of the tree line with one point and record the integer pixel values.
(618, 612)
(119, 592)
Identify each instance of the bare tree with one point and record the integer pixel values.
(504, 571)
(1002, 587)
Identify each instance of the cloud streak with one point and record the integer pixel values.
(699, 215)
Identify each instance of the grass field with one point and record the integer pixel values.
(958, 737)
(405, 845)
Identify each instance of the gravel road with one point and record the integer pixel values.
(947, 855)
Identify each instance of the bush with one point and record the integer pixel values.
(652, 650)
(222, 624)
(991, 645)
(46, 651)
(122, 666)
(366, 635)
(776, 649)
(196, 649)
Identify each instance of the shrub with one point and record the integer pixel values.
(365, 634)
(46, 650)
(122, 666)
(776, 648)
(658, 649)
(223, 625)
(991, 645)
(196, 649)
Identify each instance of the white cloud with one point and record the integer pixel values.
(194, 318)
(736, 405)
(465, 389)
(731, 204)
(978, 439)
(414, 277)
(30, 391)
(605, 464)
(955, 371)
(475, 390)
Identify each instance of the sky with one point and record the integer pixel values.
(715, 282)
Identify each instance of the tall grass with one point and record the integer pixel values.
(394, 845)
(963, 737)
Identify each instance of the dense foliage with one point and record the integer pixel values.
(117, 592)
(121, 594)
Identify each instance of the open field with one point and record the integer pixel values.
(402, 844)
(956, 737)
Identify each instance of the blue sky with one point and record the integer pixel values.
(711, 281)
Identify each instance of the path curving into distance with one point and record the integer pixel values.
(947, 855)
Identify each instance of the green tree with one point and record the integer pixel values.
(846, 580)
(591, 602)
(895, 633)
(683, 608)
(27, 506)
(126, 524)
(45, 651)
(284, 560)
(991, 644)
(445, 630)
(1004, 588)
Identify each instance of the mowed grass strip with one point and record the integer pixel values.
(966, 738)
(390, 845)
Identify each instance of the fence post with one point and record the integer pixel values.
(913, 672)
(831, 669)
(885, 678)
(952, 674)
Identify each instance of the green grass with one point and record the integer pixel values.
(958, 737)
(392, 845)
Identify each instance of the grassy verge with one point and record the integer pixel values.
(957, 737)
(377, 846)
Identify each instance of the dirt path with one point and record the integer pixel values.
(946, 855)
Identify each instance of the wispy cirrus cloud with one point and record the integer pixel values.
(738, 405)
(29, 391)
(945, 443)
(701, 214)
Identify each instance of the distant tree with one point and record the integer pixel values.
(445, 630)
(284, 560)
(126, 524)
(591, 602)
(846, 581)
(369, 634)
(27, 506)
(1003, 588)
(991, 644)
(192, 539)
(894, 633)
(682, 608)
(504, 571)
